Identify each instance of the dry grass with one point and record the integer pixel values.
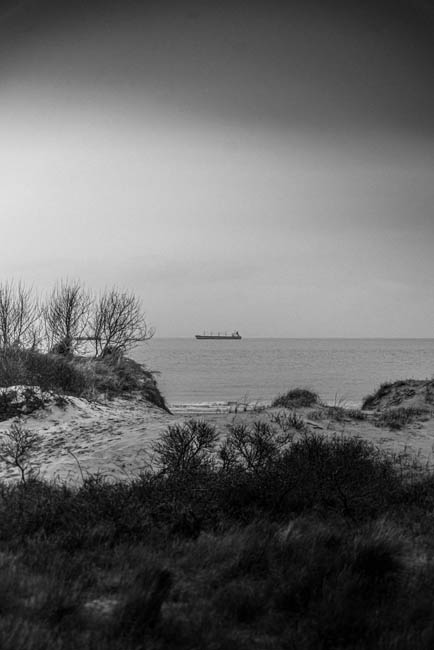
(399, 417)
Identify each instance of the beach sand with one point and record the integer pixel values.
(81, 438)
(113, 438)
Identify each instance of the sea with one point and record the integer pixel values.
(201, 375)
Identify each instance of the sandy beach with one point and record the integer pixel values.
(108, 438)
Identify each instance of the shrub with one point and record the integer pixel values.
(48, 371)
(252, 447)
(335, 584)
(17, 448)
(53, 372)
(341, 474)
(288, 422)
(296, 398)
(185, 448)
(119, 376)
(13, 367)
(114, 375)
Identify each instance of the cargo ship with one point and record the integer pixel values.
(234, 336)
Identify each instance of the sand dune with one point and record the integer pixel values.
(109, 438)
(113, 437)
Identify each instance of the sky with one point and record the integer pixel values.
(260, 166)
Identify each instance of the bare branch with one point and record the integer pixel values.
(17, 448)
(66, 315)
(19, 316)
(117, 323)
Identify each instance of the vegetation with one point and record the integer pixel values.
(399, 417)
(296, 398)
(288, 421)
(255, 541)
(17, 448)
(337, 413)
(112, 322)
(19, 316)
(356, 414)
(371, 401)
(413, 393)
(41, 341)
(77, 376)
(274, 537)
(117, 323)
(66, 316)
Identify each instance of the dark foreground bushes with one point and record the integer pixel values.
(262, 540)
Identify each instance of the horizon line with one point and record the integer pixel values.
(320, 338)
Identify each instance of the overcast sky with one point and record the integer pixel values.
(256, 166)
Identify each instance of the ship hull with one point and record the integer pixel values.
(218, 338)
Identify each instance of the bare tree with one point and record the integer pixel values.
(118, 323)
(19, 316)
(66, 315)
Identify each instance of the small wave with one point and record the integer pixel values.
(346, 404)
(235, 406)
(218, 406)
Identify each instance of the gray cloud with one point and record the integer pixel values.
(274, 158)
(329, 65)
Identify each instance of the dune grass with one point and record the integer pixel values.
(296, 398)
(264, 539)
(397, 418)
(397, 393)
(111, 376)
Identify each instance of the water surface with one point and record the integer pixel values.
(340, 370)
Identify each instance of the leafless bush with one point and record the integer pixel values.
(66, 314)
(17, 448)
(71, 319)
(185, 448)
(117, 323)
(19, 316)
(252, 447)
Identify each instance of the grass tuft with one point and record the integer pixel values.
(399, 417)
(296, 398)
